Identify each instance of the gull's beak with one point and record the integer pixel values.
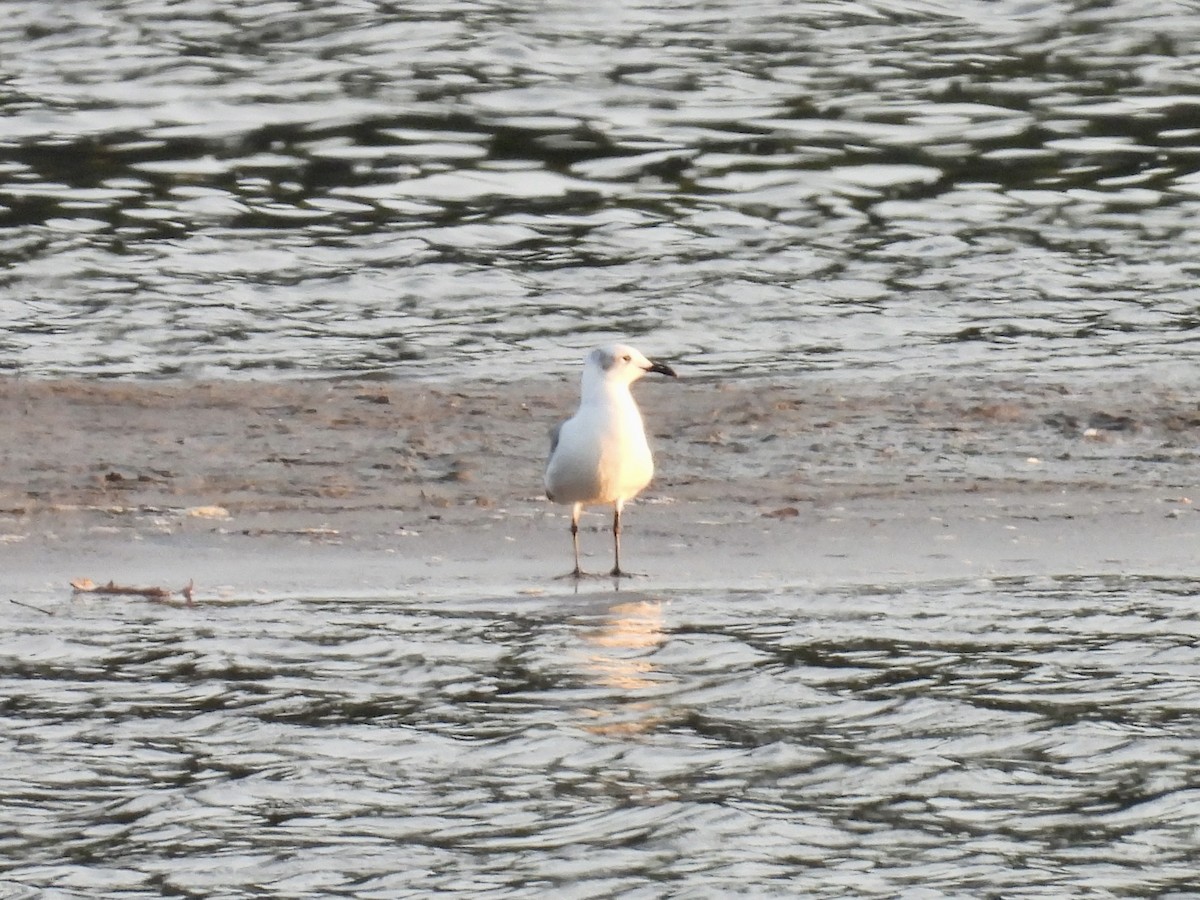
(662, 369)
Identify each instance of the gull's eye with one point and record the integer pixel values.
(627, 358)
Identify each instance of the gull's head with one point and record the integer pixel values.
(622, 364)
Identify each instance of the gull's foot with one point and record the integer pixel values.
(578, 574)
(618, 572)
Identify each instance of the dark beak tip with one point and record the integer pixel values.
(663, 369)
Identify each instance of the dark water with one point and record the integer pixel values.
(1026, 738)
(483, 188)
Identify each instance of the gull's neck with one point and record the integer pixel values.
(596, 389)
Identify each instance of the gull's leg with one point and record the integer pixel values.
(616, 569)
(577, 572)
(575, 511)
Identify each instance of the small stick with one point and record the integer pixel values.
(31, 606)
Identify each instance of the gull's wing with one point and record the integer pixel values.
(554, 433)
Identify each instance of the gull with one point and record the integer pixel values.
(600, 455)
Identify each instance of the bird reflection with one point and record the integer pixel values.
(618, 658)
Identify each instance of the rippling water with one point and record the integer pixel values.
(1018, 738)
(208, 188)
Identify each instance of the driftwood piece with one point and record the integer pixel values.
(87, 586)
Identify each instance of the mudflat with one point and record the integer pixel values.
(326, 488)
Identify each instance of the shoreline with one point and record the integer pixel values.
(394, 488)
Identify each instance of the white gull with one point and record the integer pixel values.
(600, 454)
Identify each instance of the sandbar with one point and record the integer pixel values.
(433, 489)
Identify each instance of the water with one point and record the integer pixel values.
(484, 188)
(1019, 738)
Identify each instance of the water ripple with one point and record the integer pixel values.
(1029, 736)
(479, 183)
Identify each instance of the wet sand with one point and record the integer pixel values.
(356, 487)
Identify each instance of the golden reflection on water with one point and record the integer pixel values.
(619, 658)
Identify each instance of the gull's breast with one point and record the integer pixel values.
(599, 460)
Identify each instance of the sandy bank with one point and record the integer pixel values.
(349, 487)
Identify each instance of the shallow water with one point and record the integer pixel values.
(484, 188)
(1023, 738)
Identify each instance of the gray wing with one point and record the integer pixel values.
(554, 433)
